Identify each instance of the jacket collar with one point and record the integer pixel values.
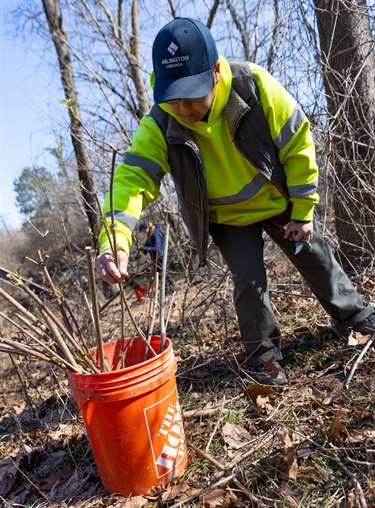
(226, 100)
(223, 89)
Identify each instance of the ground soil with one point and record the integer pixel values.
(308, 444)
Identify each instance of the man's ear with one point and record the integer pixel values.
(217, 73)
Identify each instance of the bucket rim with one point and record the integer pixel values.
(168, 350)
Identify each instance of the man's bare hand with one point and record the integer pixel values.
(299, 231)
(107, 268)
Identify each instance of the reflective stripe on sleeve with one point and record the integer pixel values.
(151, 168)
(301, 191)
(290, 128)
(124, 217)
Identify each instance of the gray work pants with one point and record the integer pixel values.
(242, 249)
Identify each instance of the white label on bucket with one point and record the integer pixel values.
(168, 442)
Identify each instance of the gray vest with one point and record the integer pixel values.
(250, 132)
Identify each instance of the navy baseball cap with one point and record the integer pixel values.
(184, 55)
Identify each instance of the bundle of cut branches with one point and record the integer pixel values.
(43, 334)
(59, 339)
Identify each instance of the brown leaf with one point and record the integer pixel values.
(352, 339)
(332, 398)
(156, 490)
(135, 502)
(18, 497)
(254, 391)
(218, 498)
(177, 488)
(338, 431)
(191, 491)
(212, 499)
(357, 339)
(290, 453)
(271, 367)
(352, 500)
(235, 435)
(314, 471)
(47, 483)
(324, 474)
(310, 472)
(8, 473)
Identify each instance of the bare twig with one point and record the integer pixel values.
(216, 425)
(53, 331)
(58, 297)
(154, 303)
(206, 455)
(136, 326)
(31, 483)
(358, 361)
(52, 318)
(24, 388)
(95, 309)
(27, 350)
(20, 308)
(220, 466)
(45, 346)
(163, 324)
(224, 481)
(121, 293)
(113, 223)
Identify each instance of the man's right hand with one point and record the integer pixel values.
(107, 268)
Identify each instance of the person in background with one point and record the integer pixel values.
(242, 157)
(154, 246)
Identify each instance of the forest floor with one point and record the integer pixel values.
(310, 443)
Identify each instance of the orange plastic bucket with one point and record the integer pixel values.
(132, 417)
(141, 292)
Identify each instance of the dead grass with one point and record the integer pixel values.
(310, 444)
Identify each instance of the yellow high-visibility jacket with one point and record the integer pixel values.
(243, 165)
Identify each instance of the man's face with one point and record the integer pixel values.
(192, 111)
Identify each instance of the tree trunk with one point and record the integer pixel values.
(134, 59)
(57, 30)
(348, 67)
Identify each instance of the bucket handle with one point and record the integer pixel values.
(83, 405)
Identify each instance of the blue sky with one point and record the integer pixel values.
(29, 100)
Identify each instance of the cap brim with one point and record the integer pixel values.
(188, 87)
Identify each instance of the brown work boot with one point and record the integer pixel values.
(367, 326)
(269, 372)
